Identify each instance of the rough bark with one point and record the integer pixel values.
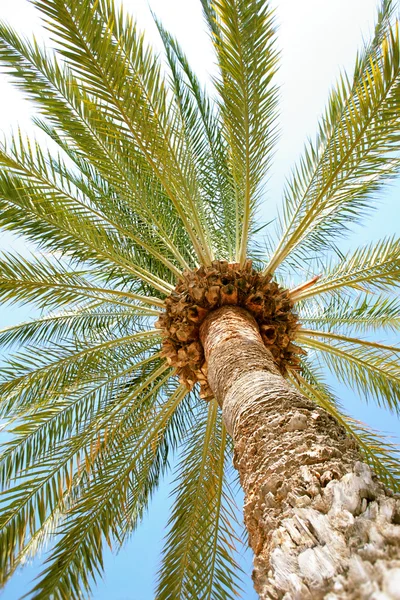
(320, 523)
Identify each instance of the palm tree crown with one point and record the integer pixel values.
(148, 180)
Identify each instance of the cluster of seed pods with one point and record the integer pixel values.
(205, 289)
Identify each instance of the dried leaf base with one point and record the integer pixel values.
(206, 289)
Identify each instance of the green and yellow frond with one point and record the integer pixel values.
(198, 559)
(243, 34)
(353, 155)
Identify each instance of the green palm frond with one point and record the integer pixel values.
(244, 39)
(361, 314)
(198, 561)
(137, 202)
(48, 423)
(82, 322)
(131, 416)
(354, 153)
(377, 451)
(210, 16)
(64, 191)
(371, 370)
(37, 374)
(49, 283)
(107, 53)
(36, 543)
(79, 125)
(349, 340)
(373, 267)
(124, 37)
(202, 127)
(57, 211)
(386, 13)
(63, 428)
(124, 483)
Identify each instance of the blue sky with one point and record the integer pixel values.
(317, 40)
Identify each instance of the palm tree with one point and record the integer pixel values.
(167, 327)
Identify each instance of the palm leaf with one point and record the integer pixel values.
(374, 267)
(83, 322)
(360, 314)
(197, 557)
(36, 543)
(372, 371)
(82, 126)
(43, 472)
(202, 128)
(354, 153)
(125, 77)
(56, 213)
(67, 191)
(50, 283)
(43, 373)
(349, 340)
(48, 423)
(243, 36)
(123, 483)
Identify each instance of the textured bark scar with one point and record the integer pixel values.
(234, 349)
(228, 323)
(320, 523)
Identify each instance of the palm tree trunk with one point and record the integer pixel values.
(320, 523)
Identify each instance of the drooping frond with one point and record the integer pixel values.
(36, 543)
(357, 315)
(372, 371)
(48, 423)
(243, 35)
(38, 374)
(114, 477)
(380, 453)
(48, 446)
(354, 153)
(373, 267)
(197, 557)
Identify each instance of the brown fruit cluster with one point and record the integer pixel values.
(207, 288)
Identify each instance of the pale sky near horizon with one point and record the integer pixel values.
(317, 39)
